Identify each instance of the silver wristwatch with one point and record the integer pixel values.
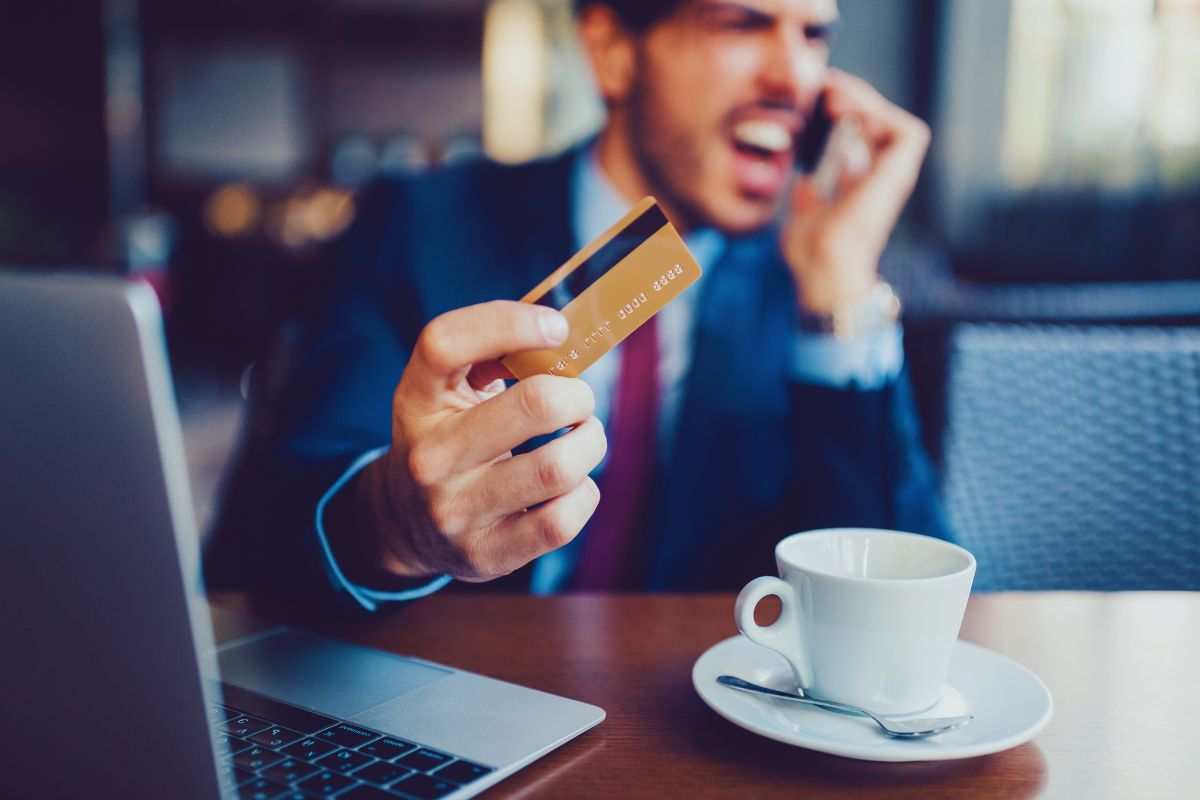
(877, 309)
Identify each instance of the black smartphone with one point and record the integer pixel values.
(811, 143)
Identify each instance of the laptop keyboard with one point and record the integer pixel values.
(273, 750)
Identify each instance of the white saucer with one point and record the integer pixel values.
(1011, 705)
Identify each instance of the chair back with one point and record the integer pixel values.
(1072, 455)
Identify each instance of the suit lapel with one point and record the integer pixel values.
(513, 231)
(533, 225)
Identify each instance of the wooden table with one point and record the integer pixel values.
(1124, 669)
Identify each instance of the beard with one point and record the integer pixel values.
(672, 156)
(668, 158)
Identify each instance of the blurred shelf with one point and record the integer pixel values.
(380, 26)
(931, 292)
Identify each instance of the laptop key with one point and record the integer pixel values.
(366, 793)
(388, 748)
(257, 758)
(290, 770)
(381, 773)
(325, 784)
(231, 745)
(344, 760)
(424, 759)
(244, 725)
(275, 736)
(309, 749)
(423, 787)
(260, 789)
(461, 772)
(348, 735)
(219, 714)
(236, 775)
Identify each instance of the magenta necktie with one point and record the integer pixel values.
(614, 547)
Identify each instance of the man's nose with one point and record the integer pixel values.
(792, 68)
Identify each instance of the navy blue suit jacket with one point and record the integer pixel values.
(757, 455)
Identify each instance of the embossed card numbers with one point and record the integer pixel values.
(609, 289)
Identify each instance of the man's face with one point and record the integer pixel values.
(720, 92)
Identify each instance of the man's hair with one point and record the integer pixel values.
(636, 15)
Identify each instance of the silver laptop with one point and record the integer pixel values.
(109, 681)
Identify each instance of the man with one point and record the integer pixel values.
(404, 461)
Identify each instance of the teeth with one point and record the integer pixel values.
(769, 136)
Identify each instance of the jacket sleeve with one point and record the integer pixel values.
(874, 470)
(332, 406)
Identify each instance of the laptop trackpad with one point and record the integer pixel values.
(321, 674)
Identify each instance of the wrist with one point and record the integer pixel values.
(864, 312)
(364, 532)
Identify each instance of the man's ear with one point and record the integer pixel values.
(610, 48)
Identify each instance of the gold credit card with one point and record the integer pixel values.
(609, 289)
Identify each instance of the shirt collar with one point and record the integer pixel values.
(596, 205)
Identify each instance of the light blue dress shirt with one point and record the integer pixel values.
(869, 362)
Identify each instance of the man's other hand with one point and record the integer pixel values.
(450, 497)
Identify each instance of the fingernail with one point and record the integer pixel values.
(553, 325)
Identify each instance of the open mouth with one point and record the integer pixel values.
(762, 137)
(763, 157)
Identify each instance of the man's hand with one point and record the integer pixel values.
(833, 246)
(449, 497)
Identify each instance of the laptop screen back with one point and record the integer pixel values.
(99, 617)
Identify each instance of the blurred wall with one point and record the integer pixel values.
(879, 41)
(53, 161)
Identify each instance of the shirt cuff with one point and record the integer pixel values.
(366, 597)
(870, 361)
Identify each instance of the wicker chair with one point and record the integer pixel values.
(1072, 455)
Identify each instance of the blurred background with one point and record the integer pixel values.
(213, 148)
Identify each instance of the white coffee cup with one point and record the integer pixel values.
(869, 617)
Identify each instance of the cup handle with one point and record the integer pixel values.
(781, 635)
